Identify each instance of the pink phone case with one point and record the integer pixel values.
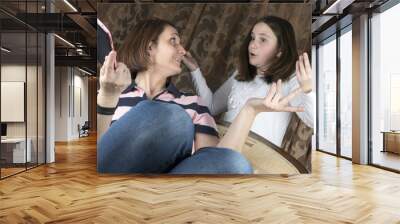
(106, 30)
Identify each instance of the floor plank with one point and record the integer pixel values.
(70, 191)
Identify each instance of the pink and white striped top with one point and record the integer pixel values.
(192, 104)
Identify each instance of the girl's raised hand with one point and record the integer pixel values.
(304, 73)
(190, 61)
(274, 101)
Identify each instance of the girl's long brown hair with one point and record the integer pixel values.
(281, 67)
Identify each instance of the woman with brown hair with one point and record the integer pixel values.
(268, 54)
(146, 125)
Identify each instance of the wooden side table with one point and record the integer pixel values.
(391, 141)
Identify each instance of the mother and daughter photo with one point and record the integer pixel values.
(147, 125)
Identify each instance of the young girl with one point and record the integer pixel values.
(155, 128)
(268, 53)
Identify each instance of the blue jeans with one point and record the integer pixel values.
(157, 137)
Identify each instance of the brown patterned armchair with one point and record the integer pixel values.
(266, 158)
(297, 141)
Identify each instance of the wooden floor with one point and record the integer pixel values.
(70, 191)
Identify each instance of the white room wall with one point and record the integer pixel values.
(67, 115)
(61, 103)
(12, 73)
(80, 82)
(34, 125)
(16, 73)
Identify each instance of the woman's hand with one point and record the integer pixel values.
(190, 62)
(304, 73)
(114, 78)
(274, 101)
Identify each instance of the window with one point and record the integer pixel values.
(327, 95)
(346, 92)
(385, 87)
(22, 66)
